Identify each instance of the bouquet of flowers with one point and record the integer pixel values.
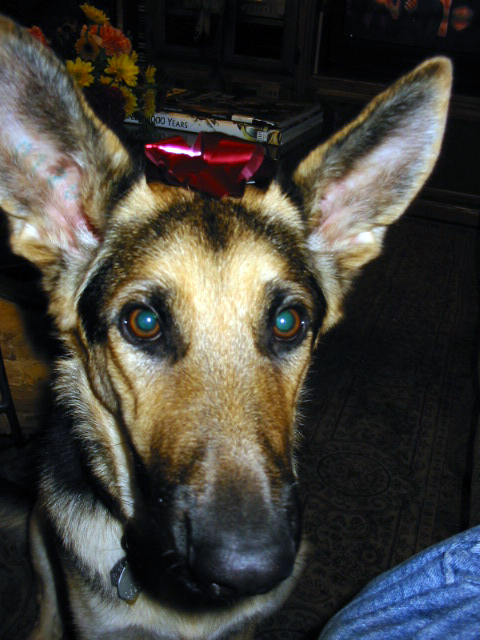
(106, 67)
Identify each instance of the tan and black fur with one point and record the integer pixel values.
(171, 443)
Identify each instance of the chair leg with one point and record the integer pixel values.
(7, 406)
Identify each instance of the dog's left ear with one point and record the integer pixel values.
(61, 169)
(363, 179)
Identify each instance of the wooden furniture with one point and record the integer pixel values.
(262, 47)
(7, 406)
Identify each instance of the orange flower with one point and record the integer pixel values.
(38, 34)
(114, 41)
(89, 43)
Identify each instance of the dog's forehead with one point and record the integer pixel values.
(158, 211)
(189, 227)
(200, 272)
(221, 247)
(190, 244)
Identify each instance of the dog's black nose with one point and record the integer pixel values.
(243, 547)
(242, 565)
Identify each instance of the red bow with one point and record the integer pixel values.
(215, 164)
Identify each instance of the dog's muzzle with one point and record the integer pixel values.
(242, 557)
(202, 552)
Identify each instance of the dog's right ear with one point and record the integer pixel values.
(61, 169)
(362, 179)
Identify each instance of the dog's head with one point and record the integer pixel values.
(189, 321)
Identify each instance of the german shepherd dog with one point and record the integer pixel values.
(167, 492)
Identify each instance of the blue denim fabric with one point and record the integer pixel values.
(433, 595)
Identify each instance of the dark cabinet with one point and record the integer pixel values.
(263, 46)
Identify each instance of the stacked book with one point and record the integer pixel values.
(253, 119)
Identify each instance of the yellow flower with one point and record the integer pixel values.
(81, 71)
(93, 14)
(89, 43)
(150, 72)
(130, 101)
(123, 68)
(105, 80)
(149, 103)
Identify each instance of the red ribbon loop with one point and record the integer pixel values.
(215, 164)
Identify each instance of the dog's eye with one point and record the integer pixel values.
(287, 324)
(142, 324)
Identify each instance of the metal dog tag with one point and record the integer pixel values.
(121, 577)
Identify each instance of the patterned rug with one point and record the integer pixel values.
(389, 420)
(387, 430)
